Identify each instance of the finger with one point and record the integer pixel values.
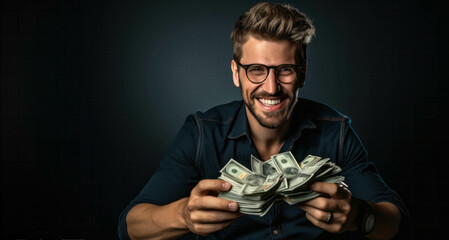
(317, 214)
(207, 185)
(322, 203)
(213, 216)
(212, 203)
(317, 222)
(331, 189)
(333, 226)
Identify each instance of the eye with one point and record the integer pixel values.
(257, 70)
(285, 70)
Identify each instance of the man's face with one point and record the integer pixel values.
(271, 102)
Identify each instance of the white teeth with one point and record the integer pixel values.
(269, 103)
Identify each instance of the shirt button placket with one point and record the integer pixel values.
(276, 233)
(275, 225)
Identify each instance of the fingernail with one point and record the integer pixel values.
(313, 185)
(232, 206)
(225, 185)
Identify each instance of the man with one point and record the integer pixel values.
(269, 66)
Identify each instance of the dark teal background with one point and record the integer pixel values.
(92, 92)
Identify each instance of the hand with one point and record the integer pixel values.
(335, 211)
(204, 213)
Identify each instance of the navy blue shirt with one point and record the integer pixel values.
(208, 140)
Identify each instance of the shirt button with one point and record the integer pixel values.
(275, 232)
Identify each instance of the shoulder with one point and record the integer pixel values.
(320, 111)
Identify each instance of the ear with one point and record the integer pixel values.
(235, 73)
(302, 75)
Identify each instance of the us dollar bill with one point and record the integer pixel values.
(279, 179)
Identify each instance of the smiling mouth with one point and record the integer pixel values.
(269, 102)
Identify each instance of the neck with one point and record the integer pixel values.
(268, 141)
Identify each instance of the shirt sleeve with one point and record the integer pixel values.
(362, 176)
(176, 176)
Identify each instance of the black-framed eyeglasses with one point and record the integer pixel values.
(258, 73)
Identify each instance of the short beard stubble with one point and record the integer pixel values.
(260, 119)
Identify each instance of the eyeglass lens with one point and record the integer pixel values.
(258, 73)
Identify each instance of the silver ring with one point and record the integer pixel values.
(329, 217)
(342, 185)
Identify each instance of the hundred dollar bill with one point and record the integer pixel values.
(302, 198)
(328, 169)
(287, 164)
(271, 181)
(241, 174)
(264, 168)
(307, 195)
(291, 169)
(310, 160)
(307, 174)
(256, 165)
(268, 168)
(235, 193)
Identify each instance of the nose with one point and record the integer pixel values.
(270, 85)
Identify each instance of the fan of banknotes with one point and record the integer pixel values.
(277, 180)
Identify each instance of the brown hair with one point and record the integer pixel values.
(273, 22)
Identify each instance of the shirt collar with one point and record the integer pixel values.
(300, 122)
(239, 127)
